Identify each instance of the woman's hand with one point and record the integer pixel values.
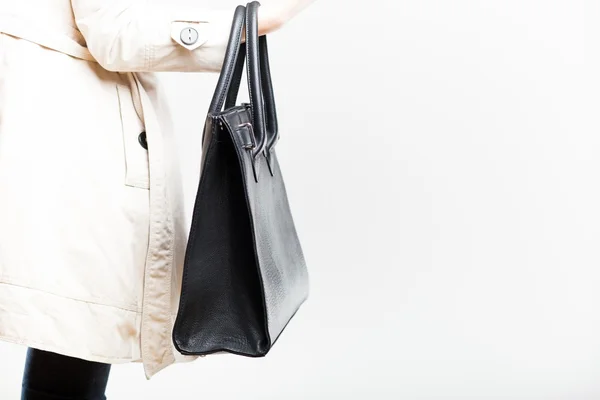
(273, 14)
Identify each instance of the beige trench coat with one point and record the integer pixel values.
(91, 230)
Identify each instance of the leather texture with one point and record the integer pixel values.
(244, 274)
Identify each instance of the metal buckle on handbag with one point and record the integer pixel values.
(247, 135)
(246, 132)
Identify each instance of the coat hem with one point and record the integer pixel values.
(8, 280)
(66, 351)
(67, 326)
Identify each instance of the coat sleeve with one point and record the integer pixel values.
(140, 36)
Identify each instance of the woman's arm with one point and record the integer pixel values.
(136, 35)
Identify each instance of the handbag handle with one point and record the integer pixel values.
(232, 58)
(271, 112)
(254, 78)
(236, 79)
(260, 84)
(267, 87)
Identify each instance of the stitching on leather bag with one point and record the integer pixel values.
(247, 67)
(196, 213)
(232, 61)
(209, 155)
(240, 157)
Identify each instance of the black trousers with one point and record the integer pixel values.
(51, 376)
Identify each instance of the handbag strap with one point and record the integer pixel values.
(236, 80)
(267, 88)
(253, 53)
(271, 112)
(230, 61)
(254, 78)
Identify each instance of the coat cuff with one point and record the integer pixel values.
(204, 38)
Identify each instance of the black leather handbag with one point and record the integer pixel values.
(244, 274)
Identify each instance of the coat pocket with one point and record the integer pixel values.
(135, 147)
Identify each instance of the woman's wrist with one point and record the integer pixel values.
(270, 19)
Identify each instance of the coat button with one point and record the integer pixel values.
(142, 140)
(189, 36)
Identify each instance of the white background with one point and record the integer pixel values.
(442, 160)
